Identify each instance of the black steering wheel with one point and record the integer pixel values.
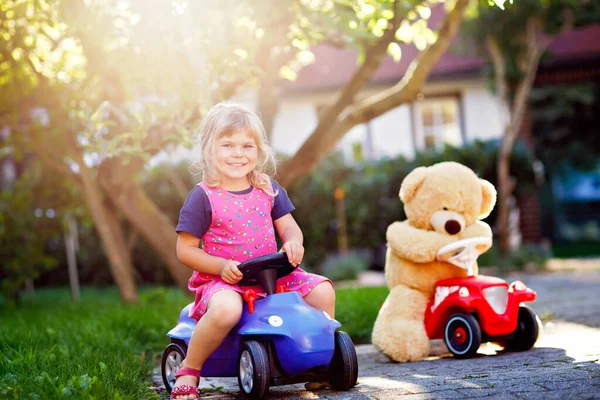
(265, 271)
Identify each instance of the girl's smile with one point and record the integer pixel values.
(236, 157)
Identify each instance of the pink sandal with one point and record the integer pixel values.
(183, 390)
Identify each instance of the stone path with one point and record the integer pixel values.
(565, 364)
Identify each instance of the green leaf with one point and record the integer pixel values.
(405, 32)
(288, 73)
(424, 11)
(395, 51)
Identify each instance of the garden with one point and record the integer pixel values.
(98, 100)
(98, 349)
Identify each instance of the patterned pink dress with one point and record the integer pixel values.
(241, 229)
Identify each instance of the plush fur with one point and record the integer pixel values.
(443, 204)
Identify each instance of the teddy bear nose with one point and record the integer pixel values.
(452, 227)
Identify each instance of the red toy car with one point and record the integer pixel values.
(468, 311)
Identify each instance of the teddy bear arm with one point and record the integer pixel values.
(416, 245)
(477, 229)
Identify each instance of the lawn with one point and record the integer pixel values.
(101, 349)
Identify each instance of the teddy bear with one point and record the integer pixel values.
(443, 203)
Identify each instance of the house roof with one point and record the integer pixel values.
(333, 67)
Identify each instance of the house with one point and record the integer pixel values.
(455, 106)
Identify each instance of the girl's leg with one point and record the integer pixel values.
(223, 312)
(322, 297)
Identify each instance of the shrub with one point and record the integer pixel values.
(340, 267)
(30, 232)
(517, 259)
(371, 195)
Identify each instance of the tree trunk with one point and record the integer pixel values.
(331, 128)
(529, 68)
(70, 238)
(147, 219)
(121, 268)
(117, 232)
(504, 192)
(267, 104)
(176, 181)
(503, 160)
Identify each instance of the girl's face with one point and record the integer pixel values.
(236, 157)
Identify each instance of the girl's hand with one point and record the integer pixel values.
(230, 272)
(294, 251)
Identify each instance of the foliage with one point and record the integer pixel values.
(357, 309)
(98, 349)
(576, 250)
(525, 256)
(339, 267)
(30, 227)
(371, 200)
(99, 69)
(371, 204)
(106, 85)
(507, 26)
(514, 43)
(565, 119)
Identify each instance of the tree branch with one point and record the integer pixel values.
(267, 92)
(375, 55)
(499, 62)
(52, 161)
(532, 58)
(132, 239)
(404, 91)
(177, 182)
(407, 89)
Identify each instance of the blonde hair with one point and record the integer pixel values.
(224, 119)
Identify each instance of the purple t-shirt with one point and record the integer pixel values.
(196, 214)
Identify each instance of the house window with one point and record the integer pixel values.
(437, 122)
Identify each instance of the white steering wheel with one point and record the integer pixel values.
(464, 253)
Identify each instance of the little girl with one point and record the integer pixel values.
(234, 213)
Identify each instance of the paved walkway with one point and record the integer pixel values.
(565, 364)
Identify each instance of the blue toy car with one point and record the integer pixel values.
(279, 340)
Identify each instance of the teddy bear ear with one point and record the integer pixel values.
(488, 198)
(411, 183)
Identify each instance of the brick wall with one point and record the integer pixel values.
(530, 221)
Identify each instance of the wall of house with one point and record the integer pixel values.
(393, 133)
(389, 135)
(482, 113)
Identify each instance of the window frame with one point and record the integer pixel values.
(418, 129)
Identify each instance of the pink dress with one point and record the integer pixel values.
(241, 229)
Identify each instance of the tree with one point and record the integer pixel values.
(76, 89)
(30, 220)
(95, 89)
(348, 111)
(514, 41)
(565, 119)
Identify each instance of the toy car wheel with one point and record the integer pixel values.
(343, 370)
(171, 362)
(254, 374)
(527, 332)
(462, 335)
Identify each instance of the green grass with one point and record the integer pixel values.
(98, 348)
(357, 309)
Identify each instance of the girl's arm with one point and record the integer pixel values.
(291, 236)
(197, 259)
